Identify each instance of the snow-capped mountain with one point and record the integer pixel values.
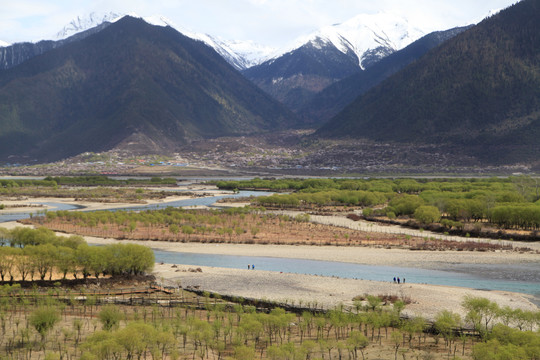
(370, 36)
(77, 29)
(252, 52)
(240, 54)
(330, 54)
(82, 23)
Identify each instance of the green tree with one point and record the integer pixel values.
(446, 323)
(43, 320)
(480, 312)
(427, 214)
(357, 341)
(110, 317)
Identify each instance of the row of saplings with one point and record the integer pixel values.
(225, 331)
(28, 254)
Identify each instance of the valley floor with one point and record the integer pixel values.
(427, 300)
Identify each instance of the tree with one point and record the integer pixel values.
(110, 317)
(357, 341)
(23, 263)
(397, 338)
(405, 204)
(43, 258)
(374, 302)
(97, 260)
(446, 322)
(427, 214)
(65, 260)
(5, 261)
(480, 312)
(244, 353)
(43, 319)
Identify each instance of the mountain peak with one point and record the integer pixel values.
(477, 92)
(240, 54)
(365, 33)
(82, 23)
(147, 102)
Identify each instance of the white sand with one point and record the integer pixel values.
(327, 292)
(428, 300)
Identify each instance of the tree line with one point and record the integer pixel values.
(107, 181)
(504, 202)
(29, 254)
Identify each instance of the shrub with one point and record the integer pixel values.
(427, 214)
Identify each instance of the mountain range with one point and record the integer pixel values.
(130, 85)
(331, 54)
(240, 54)
(478, 91)
(144, 85)
(331, 100)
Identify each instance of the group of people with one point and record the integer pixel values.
(398, 281)
(252, 267)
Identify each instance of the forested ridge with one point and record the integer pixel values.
(146, 87)
(480, 90)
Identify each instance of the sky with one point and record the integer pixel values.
(269, 22)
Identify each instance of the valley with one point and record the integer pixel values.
(255, 234)
(367, 190)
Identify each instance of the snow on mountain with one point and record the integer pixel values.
(252, 52)
(4, 44)
(370, 37)
(80, 24)
(365, 35)
(240, 54)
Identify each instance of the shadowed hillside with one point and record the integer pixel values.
(337, 96)
(480, 90)
(131, 85)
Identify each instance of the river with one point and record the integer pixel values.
(510, 277)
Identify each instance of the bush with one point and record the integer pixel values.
(427, 214)
(44, 319)
(110, 317)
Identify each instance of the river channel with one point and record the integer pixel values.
(508, 277)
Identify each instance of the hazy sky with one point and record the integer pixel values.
(269, 22)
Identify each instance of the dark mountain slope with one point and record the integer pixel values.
(131, 82)
(480, 90)
(337, 96)
(18, 53)
(295, 77)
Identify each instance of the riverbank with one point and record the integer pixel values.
(426, 300)
(42, 203)
(329, 292)
(351, 254)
